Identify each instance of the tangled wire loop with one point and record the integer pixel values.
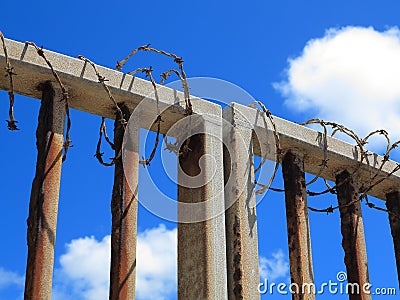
(12, 123)
(149, 74)
(364, 158)
(67, 141)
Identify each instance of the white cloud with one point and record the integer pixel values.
(157, 263)
(274, 267)
(9, 278)
(351, 76)
(84, 272)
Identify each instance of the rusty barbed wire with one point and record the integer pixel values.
(99, 154)
(277, 145)
(12, 123)
(103, 130)
(174, 147)
(102, 80)
(360, 143)
(168, 73)
(373, 206)
(336, 128)
(149, 74)
(364, 154)
(182, 77)
(177, 59)
(324, 163)
(67, 141)
(363, 195)
(143, 70)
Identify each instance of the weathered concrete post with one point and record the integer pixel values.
(353, 241)
(124, 206)
(240, 200)
(301, 269)
(393, 205)
(201, 244)
(43, 207)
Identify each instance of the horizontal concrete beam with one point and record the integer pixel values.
(87, 94)
(341, 155)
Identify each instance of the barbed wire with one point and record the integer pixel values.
(149, 74)
(181, 74)
(103, 130)
(374, 180)
(99, 154)
(168, 73)
(12, 123)
(174, 147)
(67, 142)
(278, 153)
(177, 59)
(102, 80)
(364, 154)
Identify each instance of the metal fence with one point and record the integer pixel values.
(217, 228)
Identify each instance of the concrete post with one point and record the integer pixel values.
(393, 205)
(124, 206)
(353, 241)
(240, 217)
(43, 207)
(301, 269)
(201, 244)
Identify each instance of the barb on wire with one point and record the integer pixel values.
(149, 74)
(122, 62)
(146, 162)
(263, 186)
(372, 185)
(329, 189)
(373, 206)
(181, 75)
(360, 143)
(175, 146)
(171, 147)
(103, 130)
(178, 60)
(362, 196)
(337, 128)
(143, 70)
(386, 156)
(364, 154)
(102, 81)
(12, 123)
(327, 210)
(324, 163)
(166, 74)
(67, 142)
(268, 114)
(310, 193)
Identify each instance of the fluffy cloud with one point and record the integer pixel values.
(157, 263)
(274, 267)
(351, 76)
(8, 278)
(84, 272)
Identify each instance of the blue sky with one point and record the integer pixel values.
(303, 59)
